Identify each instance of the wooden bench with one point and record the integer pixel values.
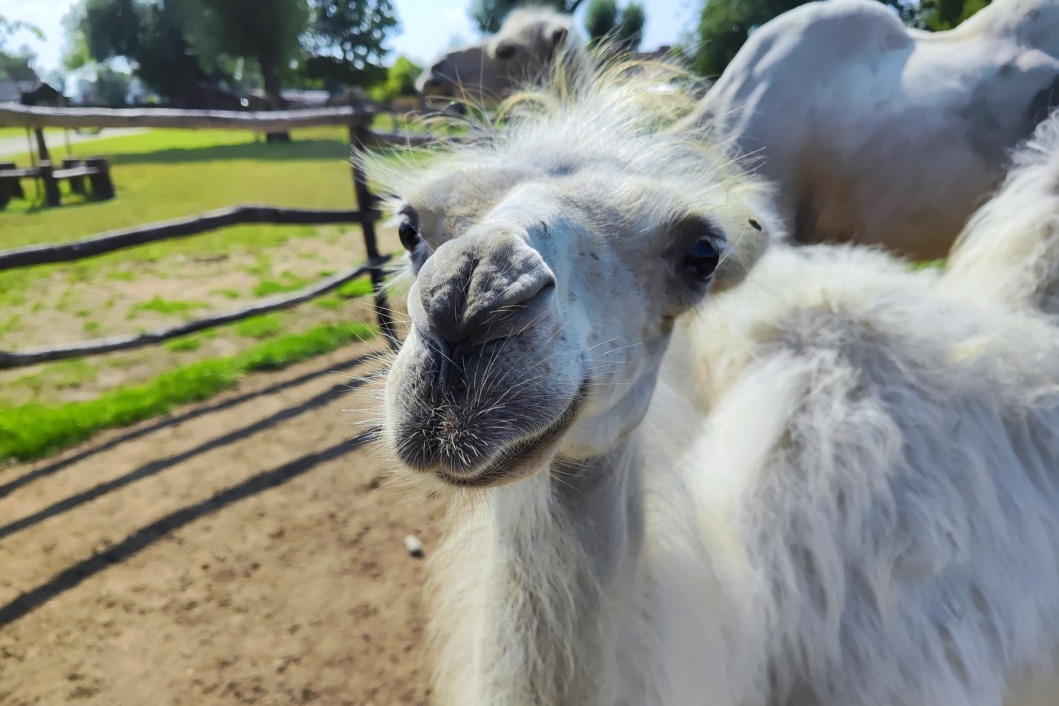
(75, 171)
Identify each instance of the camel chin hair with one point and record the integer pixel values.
(691, 464)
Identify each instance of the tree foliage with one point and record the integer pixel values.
(938, 15)
(400, 81)
(725, 24)
(264, 31)
(150, 35)
(345, 42)
(604, 21)
(16, 64)
(630, 26)
(111, 86)
(490, 14)
(601, 18)
(173, 46)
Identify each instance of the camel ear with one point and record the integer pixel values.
(559, 35)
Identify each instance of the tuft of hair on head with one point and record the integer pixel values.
(608, 112)
(598, 103)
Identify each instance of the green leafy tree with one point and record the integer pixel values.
(490, 14)
(937, 15)
(346, 38)
(264, 31)
(604, 21)
(149, 34)
(601, 19)
(400, 81)
(630, 26)
(111, 86)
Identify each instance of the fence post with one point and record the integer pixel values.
(366, 206)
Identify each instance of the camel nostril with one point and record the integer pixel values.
(486, 285)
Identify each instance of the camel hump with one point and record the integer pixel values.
(821, 33)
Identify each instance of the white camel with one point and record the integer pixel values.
(839, 486)
(881, 134)
(1009, 250)
(521, 52)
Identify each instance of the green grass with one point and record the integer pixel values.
(357, 288)
(264, 326)
(183, 344)
(33, 430)
(330, 303)
(929, 264)
(168, 307)
(268, 287)
(165, 174)
(62, 375)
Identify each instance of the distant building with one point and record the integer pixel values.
(29, 93)
(292, 98)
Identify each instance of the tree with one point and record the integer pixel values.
(346, 40)
(601, 18)
(937, 15)
(490, 14)
(16, 65)
(149, 34)
(624, 27)
(400, 81)
(111, 86)
(264, 31)
(630, 26)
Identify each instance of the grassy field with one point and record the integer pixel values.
(165, 174)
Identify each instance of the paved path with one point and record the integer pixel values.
(57, 143)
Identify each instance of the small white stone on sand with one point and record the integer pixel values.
(413, 545)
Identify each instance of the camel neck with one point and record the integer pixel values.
(569, 546)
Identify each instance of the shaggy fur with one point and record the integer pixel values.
(837, 487)
(1009, 250)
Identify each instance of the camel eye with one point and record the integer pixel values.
(408, 232)
(700, 261)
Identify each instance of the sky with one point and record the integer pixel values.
(428, 27)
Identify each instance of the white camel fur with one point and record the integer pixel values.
(881, 134)
(521, 52)
(836, 485)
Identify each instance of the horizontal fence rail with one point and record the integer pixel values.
(176, 228)
(12, 115)
(356, 119)
(124, 343)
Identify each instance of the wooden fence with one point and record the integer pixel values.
(357, 121)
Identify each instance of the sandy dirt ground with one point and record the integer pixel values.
(247, 550)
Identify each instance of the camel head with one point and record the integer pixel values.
(520, 53)
(550, 263)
